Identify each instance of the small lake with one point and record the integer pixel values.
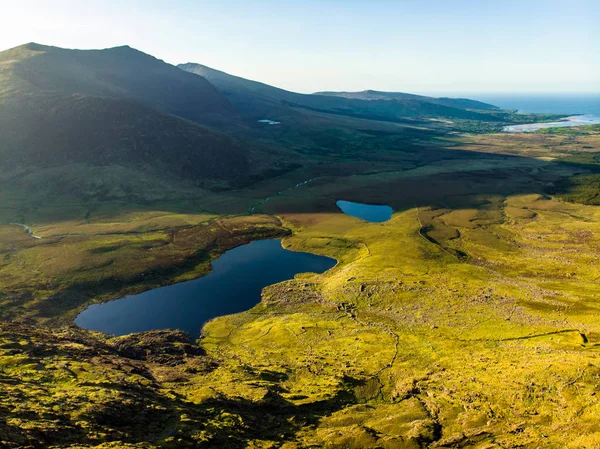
(234, 285)
(368, 212)
(577, 120)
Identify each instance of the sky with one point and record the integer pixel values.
(420, 46)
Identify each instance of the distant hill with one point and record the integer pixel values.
(118, 106)
(460, 103)
(255, 99)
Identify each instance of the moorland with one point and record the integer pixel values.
(467, 320)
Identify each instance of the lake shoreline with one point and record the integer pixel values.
(200, 296)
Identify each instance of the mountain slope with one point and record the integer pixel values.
(120, 72)
(249, 97)
(53, 130)
(118, 107)
(461, 103)
(255, 99)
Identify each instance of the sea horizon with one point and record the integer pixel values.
(548, 103)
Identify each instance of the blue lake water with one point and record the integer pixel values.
(234, 285)
(368, 212)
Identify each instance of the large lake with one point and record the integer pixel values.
(234, 285)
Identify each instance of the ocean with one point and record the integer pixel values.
(572, 104)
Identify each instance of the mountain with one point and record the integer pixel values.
(120, 73)
(254, 99)
(118, 106)
(460, 103)
(251, 98)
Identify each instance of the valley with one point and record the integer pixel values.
(464, 317)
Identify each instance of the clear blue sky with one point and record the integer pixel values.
(307, 45)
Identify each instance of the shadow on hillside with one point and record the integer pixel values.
(463, 185)
(273, 418)
(413, 177)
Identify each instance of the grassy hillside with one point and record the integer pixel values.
(118, 107)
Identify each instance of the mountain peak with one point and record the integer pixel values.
(32, 47)
(124, 49)
(35, 47)
(118, 72)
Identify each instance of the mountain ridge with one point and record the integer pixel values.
(120, 72)
(245, 93)
(371, 94)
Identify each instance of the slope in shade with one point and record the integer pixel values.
(118, 107)
(255, 99)
(121, 72)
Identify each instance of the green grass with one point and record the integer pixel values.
(571, 131)
(75, 263)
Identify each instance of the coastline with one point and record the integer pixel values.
(570, 121)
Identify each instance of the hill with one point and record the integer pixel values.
(118, 106)
(120, 73)
(255, 99)
(460, 103)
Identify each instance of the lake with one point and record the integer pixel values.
(368, 212)
(234, 285)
